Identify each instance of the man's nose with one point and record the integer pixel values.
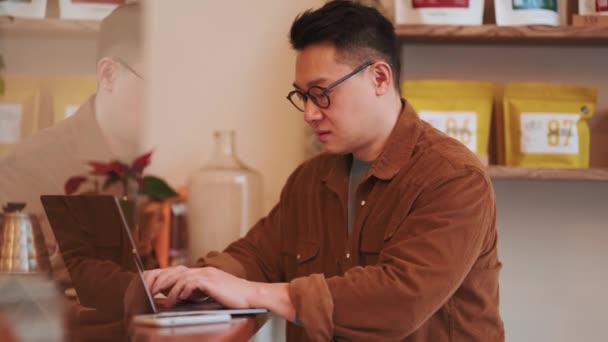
(312, 112)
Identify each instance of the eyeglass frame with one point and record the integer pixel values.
(324, 90)
(127, 66)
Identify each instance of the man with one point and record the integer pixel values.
(104, 128)
(390, 235)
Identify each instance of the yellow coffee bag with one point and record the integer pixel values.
(460, 109)
(498, 125)
(19, 107)
(545, 125)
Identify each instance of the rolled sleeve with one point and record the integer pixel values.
(313, 302)
(224, 262)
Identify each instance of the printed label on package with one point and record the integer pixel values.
(535, 4)
(10, 123)
(97, 2)
(549, 133)
(69, 110)
(461, 126)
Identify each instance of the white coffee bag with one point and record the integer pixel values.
(526, 12)
(87, 9)
(25, 9)
(439, 12)
(592, 7)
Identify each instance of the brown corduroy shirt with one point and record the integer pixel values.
(421, 263)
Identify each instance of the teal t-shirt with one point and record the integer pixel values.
(358, 169)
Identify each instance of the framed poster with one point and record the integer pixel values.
(87, 9)
(23, 8)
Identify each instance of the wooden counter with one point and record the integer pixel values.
(239, 329)
(82, 324)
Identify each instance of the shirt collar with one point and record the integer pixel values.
(395, 155)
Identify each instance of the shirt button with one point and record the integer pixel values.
(362, 203)
(347, 255)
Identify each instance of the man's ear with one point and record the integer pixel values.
(107, 71)
(382, 77)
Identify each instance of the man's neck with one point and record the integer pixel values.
(372, 148)
(120, 148)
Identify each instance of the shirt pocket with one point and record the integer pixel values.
(395, 209)
(393, 226)
(302, 259)
(307, 257)
(370, 250)
(375, 236)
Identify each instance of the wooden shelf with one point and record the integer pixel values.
(504, 172)
(492, 34)
(48, 26)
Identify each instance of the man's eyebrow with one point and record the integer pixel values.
(316, 81)
(311, 83)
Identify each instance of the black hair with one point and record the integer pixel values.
(358, 32)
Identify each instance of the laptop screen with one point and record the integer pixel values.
(99, 253)
(102, 259)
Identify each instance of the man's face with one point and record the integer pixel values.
(128, 101)
(343, 127)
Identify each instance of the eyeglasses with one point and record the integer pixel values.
(127, 66)
(319, 95)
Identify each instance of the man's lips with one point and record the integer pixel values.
(322, 135)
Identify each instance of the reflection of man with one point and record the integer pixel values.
(389, 236)
(103, 128)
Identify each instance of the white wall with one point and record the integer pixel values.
(553, 242)
(223, 65)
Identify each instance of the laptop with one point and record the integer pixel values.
(101, 257)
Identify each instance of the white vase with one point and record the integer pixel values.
(224, 199)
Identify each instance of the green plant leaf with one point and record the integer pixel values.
(157, 189)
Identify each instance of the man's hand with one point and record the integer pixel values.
(228, 290)
(189, 283)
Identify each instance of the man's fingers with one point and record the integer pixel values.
(189, 289)
(150, 277)
(154, 287)
(172, 298)
(167, 278)
(186, 287)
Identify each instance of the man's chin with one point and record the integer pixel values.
(328, 148)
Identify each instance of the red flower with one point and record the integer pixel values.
(73, 184)
(114, 172)
(141, 162)
(101, 168)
